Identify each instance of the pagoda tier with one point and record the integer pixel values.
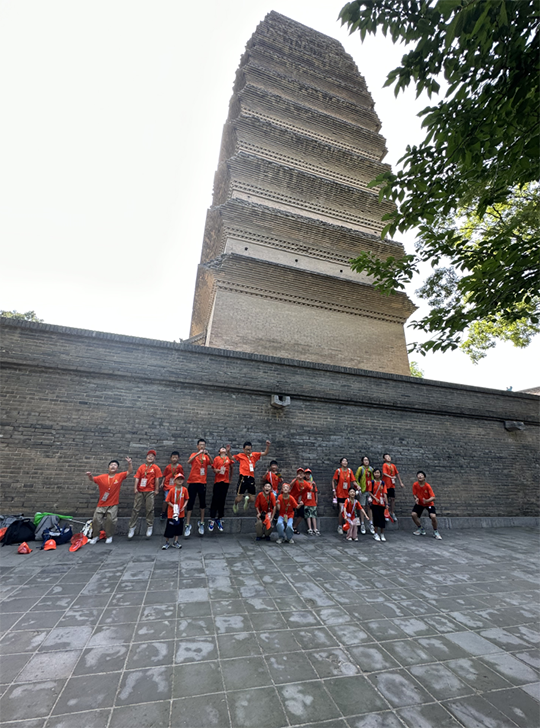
(292, 206)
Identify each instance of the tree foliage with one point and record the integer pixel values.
(478, 161)
(415, 370)
(28, 316)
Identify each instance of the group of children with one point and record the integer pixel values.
(367, 495)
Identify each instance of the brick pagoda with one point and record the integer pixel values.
(291, 208)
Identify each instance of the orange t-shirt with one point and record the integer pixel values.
(378, 490)
(222, 469)
(389, 471)
(199, 467)
(309, 495)
(177, 497)
(345, 479)
(264, 505)
(109, 484)
(287, 507)
(351, 509)
(247, 463)
(147, 473)
(297, 489)
(274, 479)
(170, 473)
(423, 492)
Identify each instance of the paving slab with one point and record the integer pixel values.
(232, 633)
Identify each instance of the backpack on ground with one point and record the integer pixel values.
(59, 535)
(21, 530)
(48, 523)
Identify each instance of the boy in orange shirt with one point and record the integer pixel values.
(109, 494)
(246, 480)
(379, 501)
(273, 477)
(389, 475)
(424, 497)
(146, 486)
(311, 498)
(200, 462)
(298, 486)
(341, 482)
(222, 467)
(169, 474)
(286, 505)
(177, 497)
(265, 505)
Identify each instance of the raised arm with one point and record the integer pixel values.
(265, 453)
(130, 465)
(90, 476)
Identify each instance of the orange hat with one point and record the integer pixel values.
(346, 526)
(300, 470)
(179, 475)
(24, 548)
(49, 545)
(307, 470)
(152, 452)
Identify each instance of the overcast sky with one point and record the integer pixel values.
(110, 133)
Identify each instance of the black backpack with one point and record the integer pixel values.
(21, 530)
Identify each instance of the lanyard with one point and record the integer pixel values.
(376, 495)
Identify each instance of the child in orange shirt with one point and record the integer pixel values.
(265, 505)
(286, 506)
(177, 498)
(352, 511)
(246, 481)
(311, 498)
(273, 477)
(222, 467)
(169, 474)
(424, 497)
(146, 486)
(298, 486)
(389, 475)
(341, 482)
(379, 501)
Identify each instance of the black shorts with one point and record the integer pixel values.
(174, 528)
(246, 483)
(194, 490)
(341, 500)
(391, 492)
(378, 516)
(299, 512)
(420, 509)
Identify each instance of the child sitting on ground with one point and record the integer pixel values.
(286, 506)
(265, 505)
(352, 510)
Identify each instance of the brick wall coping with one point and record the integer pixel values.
(230, 354)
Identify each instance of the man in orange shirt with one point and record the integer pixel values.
(389, 475)
(265, 505)
(109, 495)
(246, 480)
(286, 505)
(200, 462)
(424, 497)
(146, 486)
(341, 482)
(169, 474)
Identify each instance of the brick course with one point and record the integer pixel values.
(74, 399)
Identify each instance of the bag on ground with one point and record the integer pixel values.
(19, 531)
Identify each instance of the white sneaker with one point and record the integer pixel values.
(246, 502)
(94, 540)
(149, 531)
(290, 540)
(176, 545)
(187, 531)
(437, 535)
(383, 537)
(362, 528)
(280, 540)
(340, 530)
(108, 540)
(131, 533)
(371, 529)
(418, 532)
(200, 528)
(377, 537)
(310, 532)
(317, 533)
(166, 546)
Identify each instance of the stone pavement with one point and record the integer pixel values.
(232, 633)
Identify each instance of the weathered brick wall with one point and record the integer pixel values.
(72, 400)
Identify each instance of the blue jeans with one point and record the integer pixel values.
(285, 532)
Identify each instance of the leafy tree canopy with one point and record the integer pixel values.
(415, 370)
(469, 187)
(28, 316)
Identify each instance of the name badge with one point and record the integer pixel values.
(222, 470)
(105, 496)
(144, 481)
(202, 471)
(251, 467)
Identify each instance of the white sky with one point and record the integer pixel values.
(110, 133)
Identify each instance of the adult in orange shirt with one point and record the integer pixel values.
(424, 497)
(109, 494)
(379, 501)
(286, 505)
(222, 467)
(177, 498)
(389, 475)
(169, 474)
(246, 481)
(265, 505)
(146, 486)
(341, 482)
(200, 462)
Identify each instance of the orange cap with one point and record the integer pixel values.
(49, 545)
(24, 548)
